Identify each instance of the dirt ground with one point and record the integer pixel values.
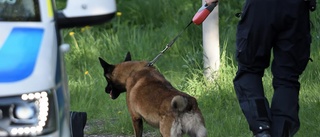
(87, 127)
(144, 135)
(106, 135)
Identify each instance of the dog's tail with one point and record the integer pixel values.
(179, 103)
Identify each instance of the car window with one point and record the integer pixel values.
(19, 10)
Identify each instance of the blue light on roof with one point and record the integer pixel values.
(19, 53)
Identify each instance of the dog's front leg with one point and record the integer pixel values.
(137, 125)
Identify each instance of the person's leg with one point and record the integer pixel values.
(254, 105)
(291, 55)
(254, 42)
(285, 105)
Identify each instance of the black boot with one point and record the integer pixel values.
(263, 134)
(264, 130)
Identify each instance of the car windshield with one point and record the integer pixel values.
(19, 10)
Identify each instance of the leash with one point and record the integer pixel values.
(168, 45)
(198, 18)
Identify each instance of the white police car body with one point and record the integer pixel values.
(34, 96)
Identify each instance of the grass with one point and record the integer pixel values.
(144, 28)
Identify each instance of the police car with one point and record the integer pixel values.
(34, 96)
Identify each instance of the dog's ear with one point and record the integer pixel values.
(128, 57)
(106, 66)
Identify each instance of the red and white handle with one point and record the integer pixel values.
(203, 13)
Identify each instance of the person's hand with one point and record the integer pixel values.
(210, 1)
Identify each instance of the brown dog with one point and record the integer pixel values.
(152, 98)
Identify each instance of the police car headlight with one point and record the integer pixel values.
(25, 112)
(33, 114)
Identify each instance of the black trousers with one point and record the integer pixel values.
(281, 27)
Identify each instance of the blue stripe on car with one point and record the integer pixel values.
(19, 53)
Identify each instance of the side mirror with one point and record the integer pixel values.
(85, 12)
